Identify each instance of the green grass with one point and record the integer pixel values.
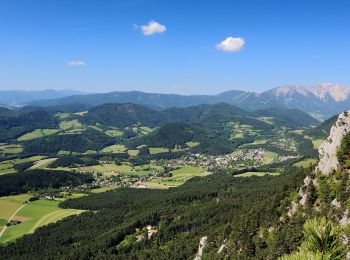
(116, 148)
(37, 133)
(11, 149)
(28, 159)
(269, 157)
(8, 166)
(155, 150)
(10, 204)
(106, 188)
(297, 131)
(43, 163)
(179, 177)
(5, 165)
(34, 215)
(112, 169)
(114, 133)
(317, 143)
(192, 144)
(96, 128)
(63, 115)
(259, 174)
(265, 119)
(305, 163)
(70, 124)
(146, 129)
(133, 152)
(81, 113)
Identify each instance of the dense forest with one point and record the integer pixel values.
(22, 182)
(219, 206)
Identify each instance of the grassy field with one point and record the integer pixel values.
(192, 144)
(317, 143)
(9, 205)
(43, 163)
(8, 166)
(70, 124)
(155, 150)
(111, 169)
(269, 157)
(265, 119)
(305, 163)
(116, 148)
(179, 177)
(114, 133)
(81, 113)
(37, 133)
(259, 174)
(106, 188)
(62, 115)
(146, 129)
(133, 152)
(34, 215)
(11, 148)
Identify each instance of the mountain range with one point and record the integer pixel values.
(13, 98)
(321, 101)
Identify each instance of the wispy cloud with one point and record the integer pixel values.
(153, 27)
(231, 44)
(76, 63)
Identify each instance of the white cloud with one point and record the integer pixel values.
(76, 63)
(231, 44)
(153, 27)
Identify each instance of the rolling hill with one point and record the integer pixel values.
(322, 101)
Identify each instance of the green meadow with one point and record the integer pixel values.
(37, 133)
(259, 174)
(32, 215)
(305, 163)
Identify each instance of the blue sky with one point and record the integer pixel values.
(296, 42)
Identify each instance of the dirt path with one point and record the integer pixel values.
(14, 214)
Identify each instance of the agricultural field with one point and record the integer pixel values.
(317, 143)
(114, 133)
(11, 149)
(305, 163)
(179, 177)
(44, 163)
(70, 124)
(133, 152)
(62, 115)
(37, 133)
(31, 215)
(192, 144)
(81, 113)
(269, 157)
(265, 119)
(259, 174)
(116, 148)
(156, 150)
(111, 169)
(239, 131)
(8, 166)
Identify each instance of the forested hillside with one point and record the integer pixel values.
(231, 211)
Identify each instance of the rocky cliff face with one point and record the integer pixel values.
(328, 150)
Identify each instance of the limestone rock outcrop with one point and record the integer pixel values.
(328, 150)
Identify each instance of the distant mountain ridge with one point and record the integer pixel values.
(323, 101)
(23, 97)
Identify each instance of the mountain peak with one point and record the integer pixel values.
(337, 91)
